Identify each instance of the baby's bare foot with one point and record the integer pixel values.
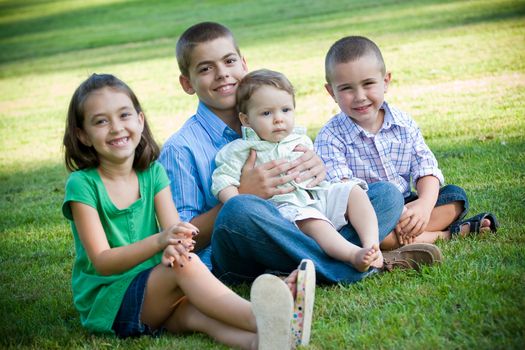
(379, 262)
(364, 257)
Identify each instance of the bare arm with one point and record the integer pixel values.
(427, 190)
(227, 193)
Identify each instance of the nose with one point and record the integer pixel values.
(360, 94)
(221, 72)
(278, 118)
(116, 127)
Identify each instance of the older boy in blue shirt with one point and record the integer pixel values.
(250, 236)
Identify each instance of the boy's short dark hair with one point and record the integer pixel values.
(197, 34)
(351, 48)
(254, 80)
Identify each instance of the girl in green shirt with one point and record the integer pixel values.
(130, 276)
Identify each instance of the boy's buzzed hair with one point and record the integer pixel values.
(197, 34)
(254, 80)
(351, 48)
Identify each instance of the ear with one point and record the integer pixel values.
(244, 119)
(186, 84)
(141, 121)
(83, 137)
(330, 90)
(387, 80)
(244, 64)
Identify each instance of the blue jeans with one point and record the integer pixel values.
(447, 195)
(251, 237)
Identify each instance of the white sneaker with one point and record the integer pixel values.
(304, 303)
(272, 304)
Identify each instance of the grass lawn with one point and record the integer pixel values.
(458, 67)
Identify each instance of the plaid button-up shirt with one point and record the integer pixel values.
(397, 153)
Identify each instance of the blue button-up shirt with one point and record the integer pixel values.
(189, 159)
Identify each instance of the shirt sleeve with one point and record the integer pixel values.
(229, 161)
(423, 161)
(186, 188)
(332, 150)
(161, 178)
(80, 189)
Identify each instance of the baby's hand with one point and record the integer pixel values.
(181, 233)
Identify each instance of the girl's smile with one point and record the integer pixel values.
(112, 126)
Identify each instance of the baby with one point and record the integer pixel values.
(266, 102)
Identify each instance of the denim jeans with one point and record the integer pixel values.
(447, 194)
(251, 237)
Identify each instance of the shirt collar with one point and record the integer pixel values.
(249, 134)
(391, 118)
(213, 124)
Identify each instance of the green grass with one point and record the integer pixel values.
(458, 68)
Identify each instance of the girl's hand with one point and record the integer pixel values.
(181, 233)
(175, 254)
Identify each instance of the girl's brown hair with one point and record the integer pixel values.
(79, 156)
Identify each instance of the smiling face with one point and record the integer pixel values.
(359, 87)
(214, 73)
(270, 113)
(111, 125)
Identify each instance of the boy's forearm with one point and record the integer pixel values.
(427, 190)
(204, 223)
(227, 193)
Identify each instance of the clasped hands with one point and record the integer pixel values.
(177, 242)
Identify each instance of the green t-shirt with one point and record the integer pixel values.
(97, 297)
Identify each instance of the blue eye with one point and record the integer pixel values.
(266, 113)
(286, 109)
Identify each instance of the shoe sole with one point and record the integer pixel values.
(304, 302)
(272, 305)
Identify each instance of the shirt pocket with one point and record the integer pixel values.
(401, 156)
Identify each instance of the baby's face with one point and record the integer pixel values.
(270, 113)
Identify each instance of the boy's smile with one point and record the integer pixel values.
(215, 71)
(359, 89)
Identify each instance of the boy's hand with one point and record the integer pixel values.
(308, 166)
(262, 180)
(402, 236)
(419, 218)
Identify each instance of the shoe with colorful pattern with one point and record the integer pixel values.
(304, 303)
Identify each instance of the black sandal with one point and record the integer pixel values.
(475, 224)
